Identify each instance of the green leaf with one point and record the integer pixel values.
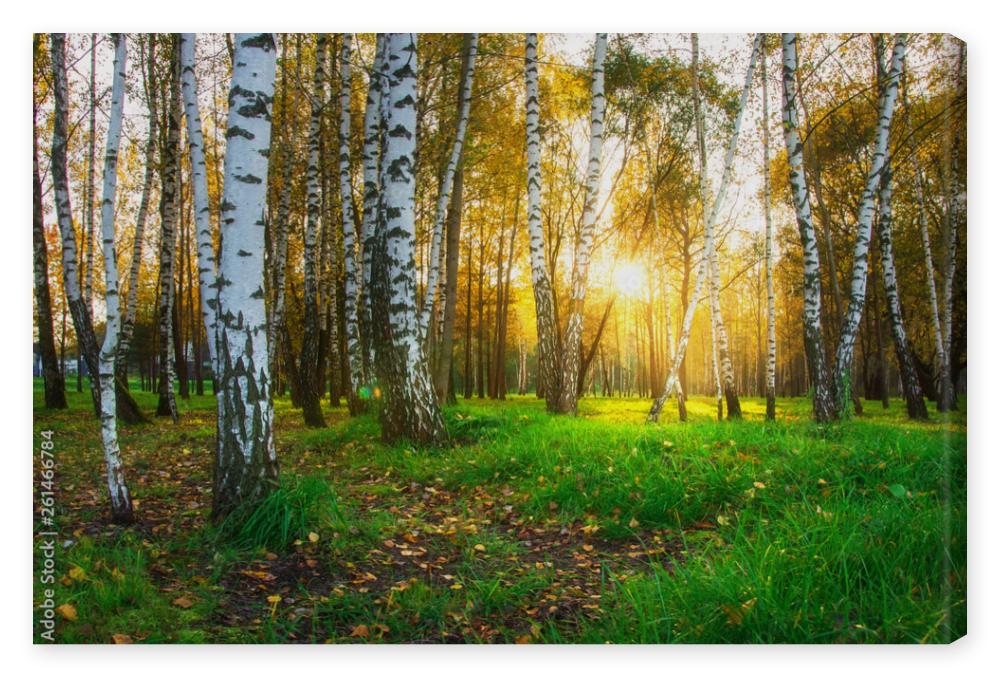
(898, 490)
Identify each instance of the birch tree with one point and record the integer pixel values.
(447, 182)
(768, 244)
(72, 283)
(711, 219)
(915, 407)
(410, 410)
(312, 410)
(581, 261)
(55, 387)
(824, 408)
(866, 209)
(199, 186)
(720, 344)
(121, 501)
(246, 465)
(548, 362)
(954, 217)
(354, 351)
(132, 298)
(169, 175)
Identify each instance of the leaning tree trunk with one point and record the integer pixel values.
(199, 186)
(121, 501)
(132, 299)
(246, 466)
(768, 248)
(469, 47)
(915, 407)
(312, 411)
(86, 341)
(88, 212)
(410, 410)
(355, 355)
(685, 334)
(824, 406)
(547, 380)
(55, 387)
(581, 261)
(720, 338)
(866, 210)
(167, 405)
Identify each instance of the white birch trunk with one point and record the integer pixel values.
(548, 362)
(369, 215)
(79, 310)
(199, 183)
(823, 402)
(411, 410)
(581, 260)
(354, 351)
(447, 184)
(121, 502)
(915, 407)
(685, 334)
(866, 211)
(246, 463)
(768, 248)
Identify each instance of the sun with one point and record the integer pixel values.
(629, 279)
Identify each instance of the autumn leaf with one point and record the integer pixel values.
(77, 574)
(314, 537)
(67, 611)
(360, 631)
(121, 639)
(183, 602)
(480, 548)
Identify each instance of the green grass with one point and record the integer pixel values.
(773, 532)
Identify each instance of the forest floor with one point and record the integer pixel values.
(529, 528)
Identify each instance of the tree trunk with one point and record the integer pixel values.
(411, 410)
(824, 404)
(121, 501)
(132, 299)
(548, 361)
(55, 387)
(768, 248)
(470, 44)
(350, 277)
(246, 467)
(859, 272)
(581, 260)
(312, 411)
(915, 407)
(453, 238)
(167, 405)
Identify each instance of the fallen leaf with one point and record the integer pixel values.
(121, 639)
(313, 537)
(77, 574)
(480, 548)
(183, 603)
(360, 631)
(67, 611)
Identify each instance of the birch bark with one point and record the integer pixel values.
(411, 410)
(167, 405)
(121, 502)
(246, 465)
(768, 247)
(354, 351)
(207, 288)
(447, 182)
(548, 362)
(824, 407)
(866, 209)
(581, 261)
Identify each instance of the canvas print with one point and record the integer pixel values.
(499, 338)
